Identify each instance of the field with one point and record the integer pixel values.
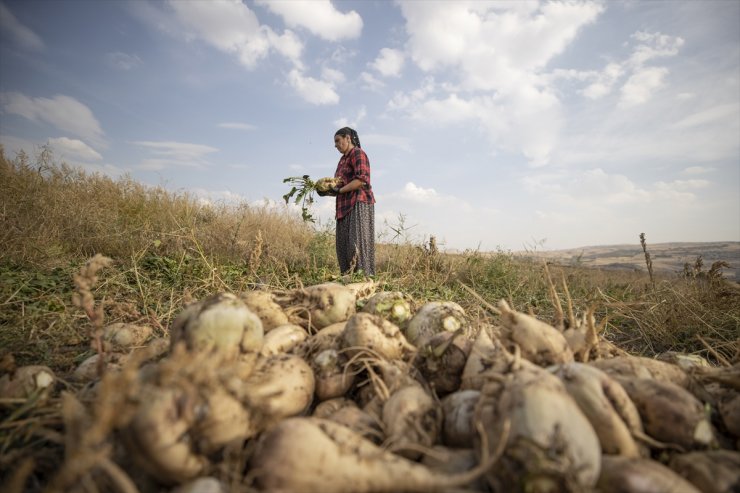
(668, 258)
(167, 250)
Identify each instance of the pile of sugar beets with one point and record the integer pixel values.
(339, 388)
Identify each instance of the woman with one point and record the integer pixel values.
(355, 210)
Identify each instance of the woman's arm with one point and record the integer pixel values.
(355, 184)
(360, 165)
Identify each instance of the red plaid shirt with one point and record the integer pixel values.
(355, 165)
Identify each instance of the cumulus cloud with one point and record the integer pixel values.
(604, 81)
(389, 62)
(407, 101)
(490, 43)
(642, 84)
(333, 75)
(315, 91)
(233, 27)
(63, 112)
(641, 79)
(171, 154)
(654, 45)
(19, 34)
(319, 17)
(370, 82)
(488, 48)
(416, 193)
(229, 26)
(122, 61)
(74, 149)
(352, 121)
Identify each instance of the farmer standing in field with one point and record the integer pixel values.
(355, 210)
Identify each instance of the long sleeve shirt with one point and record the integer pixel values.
(354, 165)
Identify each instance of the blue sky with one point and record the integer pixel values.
(488, 124)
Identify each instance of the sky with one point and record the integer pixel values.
(488, 124)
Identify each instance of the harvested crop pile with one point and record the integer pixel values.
(334, 388)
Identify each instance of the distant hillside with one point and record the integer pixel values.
(666, 257)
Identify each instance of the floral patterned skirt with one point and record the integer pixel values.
(356, 240)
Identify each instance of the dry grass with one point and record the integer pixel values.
(53, 214)
(168, 248)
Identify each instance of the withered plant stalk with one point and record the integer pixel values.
(648, 260)
(83, 298)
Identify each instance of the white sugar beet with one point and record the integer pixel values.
(282, 339)
(435, 317)
(411, 420)
(606, 405)
(221, 322)
(263, 304)
(625, 475)
(366, 331)
(313, 455)
(539, 342)
(27, 380)
(393, 306)
(549, 444)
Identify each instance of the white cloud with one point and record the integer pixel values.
(451, 110)
(14, 145)
(72, 152)
(641, 79)
(488, 47)
(74, 149)
(315, 91)
(416, 193)
(168, 154)
(370, 82)
(122, 61)
(288, 45)
(233, 27)
(215, 197)
(697, 170)
(604, 81)
(640, 86)
(490, 42)
(63, 112)
(16, 32)
(711, 115)
(319, 17)
(406, 101)
(654, 45)
(333, 75)
(353, 121)
(389, 62)
(237, 126)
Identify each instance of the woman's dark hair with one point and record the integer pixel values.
(352, 135)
